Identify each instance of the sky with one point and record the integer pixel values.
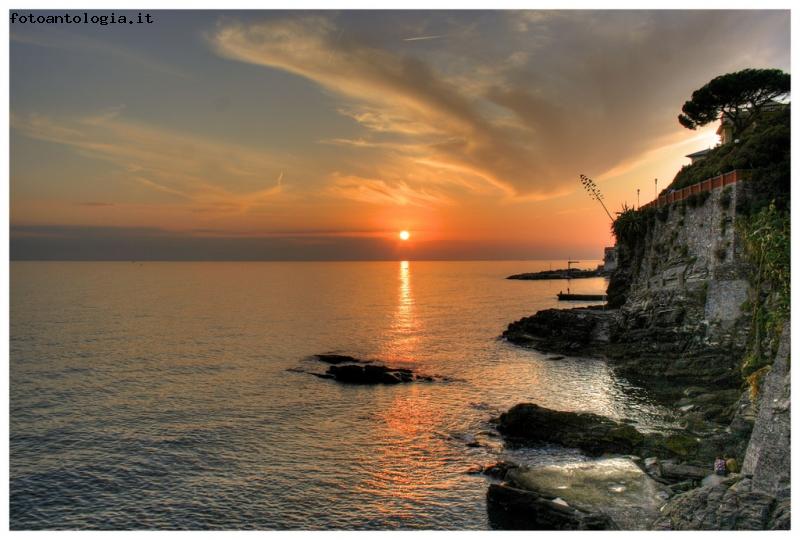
(280, 135)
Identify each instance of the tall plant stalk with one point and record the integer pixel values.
(594, 193)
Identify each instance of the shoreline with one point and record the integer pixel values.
(680, 463)
(682, 317)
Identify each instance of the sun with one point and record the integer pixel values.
(404, 235)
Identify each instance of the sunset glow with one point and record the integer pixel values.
(404, 235)
(323, 127)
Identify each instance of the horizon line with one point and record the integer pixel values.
(295, 260)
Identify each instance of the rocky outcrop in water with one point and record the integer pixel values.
(350, 370)
(679, 294)
(579, 331)
(511, 508)
(562, 273)
(373, 374)
(531, 424)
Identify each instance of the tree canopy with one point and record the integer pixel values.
(740, 97)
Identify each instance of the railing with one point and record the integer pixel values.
(700, 187)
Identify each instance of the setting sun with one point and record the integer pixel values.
(405, 235)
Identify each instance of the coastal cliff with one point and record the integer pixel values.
(692, 319)
(675, 313)
(682, 319)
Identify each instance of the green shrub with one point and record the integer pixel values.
(766, 239)
(763, 145)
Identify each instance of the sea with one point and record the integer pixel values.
(176, 395)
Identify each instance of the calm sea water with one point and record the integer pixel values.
(156, 395)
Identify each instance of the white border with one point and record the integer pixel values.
(349, 4)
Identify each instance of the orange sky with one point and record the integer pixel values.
(321, 135)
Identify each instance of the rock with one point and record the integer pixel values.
(564, 331)
(731, 505)
(530, 424)
(615, 486)
(555, 358)
(682, 471)
(693, 391)
(356, 374)
(712, 480)
(500, 469)
(680, 487)
(681, 444)
(768, 455)
(373, 374)
(781, 518)
(594, 434)
(562, 273)
(510, 508)
(652, 466)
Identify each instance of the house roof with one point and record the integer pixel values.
(699, 153)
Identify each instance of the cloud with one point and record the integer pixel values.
(390, 93)
(524, 102)
(377, 191)
(197, 171)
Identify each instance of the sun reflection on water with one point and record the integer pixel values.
(405, 328)
(405, 468)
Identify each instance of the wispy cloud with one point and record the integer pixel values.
(422, 38)
(375, 191)
(193, 169)
(549, 96)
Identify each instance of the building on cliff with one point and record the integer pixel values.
(609, 259)
(699, 155)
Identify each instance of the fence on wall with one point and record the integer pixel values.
(706, 185)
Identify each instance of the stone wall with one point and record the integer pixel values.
(768, 455)
(682, 318)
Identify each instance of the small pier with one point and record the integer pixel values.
(565, 297)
